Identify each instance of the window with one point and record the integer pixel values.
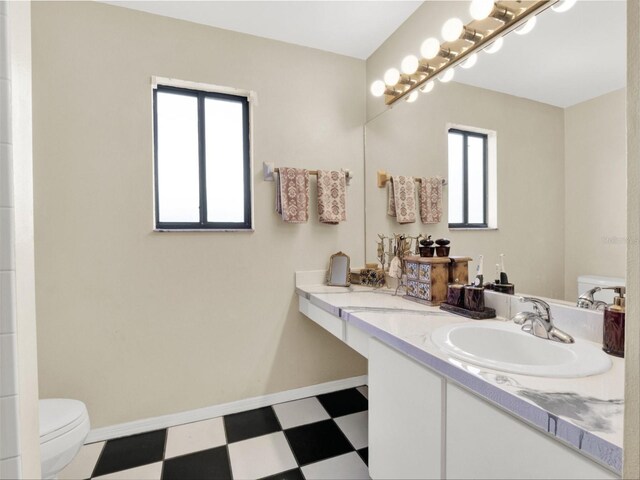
(202, 170)
(468, 179)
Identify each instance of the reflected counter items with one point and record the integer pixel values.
(430, 277)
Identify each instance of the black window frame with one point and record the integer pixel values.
(465, 177)
(203, 224)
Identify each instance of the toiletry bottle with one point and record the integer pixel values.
(613, 335)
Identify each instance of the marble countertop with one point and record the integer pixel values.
(585, 413)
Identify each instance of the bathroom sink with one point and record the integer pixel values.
(503, 346)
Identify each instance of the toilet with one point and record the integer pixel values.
(64, 425)
(587, 282)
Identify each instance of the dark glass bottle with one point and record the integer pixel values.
(613, 328)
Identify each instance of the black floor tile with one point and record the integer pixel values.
(295, 474)
(317, 441)
(129, 452)
(364, 455)
(343, 402)
(207, 464)
(254, 423)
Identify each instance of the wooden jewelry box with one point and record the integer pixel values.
(429, 277)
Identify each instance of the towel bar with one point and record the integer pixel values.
(384, 177)
(268, 171)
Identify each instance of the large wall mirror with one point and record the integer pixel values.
(552, 106)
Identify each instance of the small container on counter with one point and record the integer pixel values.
(508, 288)
(613, 328)
(427, 251)
(474, 298)
(426, 247)
(443, 248)
(455, 295)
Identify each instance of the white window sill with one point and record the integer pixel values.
(210, 230)
(483, 229)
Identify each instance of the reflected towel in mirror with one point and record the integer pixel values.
(430, 195)
(402, 199)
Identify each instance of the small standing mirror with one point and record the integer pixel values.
(339, 273)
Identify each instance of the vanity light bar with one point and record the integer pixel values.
(505, 17)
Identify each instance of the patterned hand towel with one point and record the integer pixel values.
(332, 189)
(431, 199)
(292, 194)
(402, 199)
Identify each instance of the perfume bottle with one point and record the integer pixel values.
(613, 331)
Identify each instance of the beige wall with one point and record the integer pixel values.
(632, 338)
(595, 196)
(411, 139)
(406, 40)
(139, 324)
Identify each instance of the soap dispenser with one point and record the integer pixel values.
(613, 336)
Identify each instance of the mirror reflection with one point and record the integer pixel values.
(531, 143)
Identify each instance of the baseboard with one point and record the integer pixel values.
(171, 420)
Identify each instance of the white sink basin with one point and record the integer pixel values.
(503, 346)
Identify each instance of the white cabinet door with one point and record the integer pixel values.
(405, 416)
(484, 442)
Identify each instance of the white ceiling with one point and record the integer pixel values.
(352, 28)
(568, 58)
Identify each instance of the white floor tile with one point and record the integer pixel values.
(83, 464)
(261, 456)
(194, 437)
(355, 428)
(152, 471)
(346, 467)
(364, 390)
(300, 412)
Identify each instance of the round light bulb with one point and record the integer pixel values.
(495, 46)
(430, 48)
(427, 87)
(527, 27)
(471, 61)
(412, 97)
(452, 29)
(448, 76)
(391, 76)
(480, 9)
(409, 64)
(377, 88)
(563, 6)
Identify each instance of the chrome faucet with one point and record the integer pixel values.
(586, 300)
(539, 322)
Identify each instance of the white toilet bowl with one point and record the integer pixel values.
(64, 425)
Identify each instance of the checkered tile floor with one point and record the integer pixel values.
(323, 437)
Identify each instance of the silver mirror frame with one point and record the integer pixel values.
(333, 269)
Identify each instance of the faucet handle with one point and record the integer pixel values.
(541, 307)
(586, 300)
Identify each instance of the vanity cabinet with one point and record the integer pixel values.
(422, 426)
(485, 442)
(405, 416)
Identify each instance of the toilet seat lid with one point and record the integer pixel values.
(59, 415)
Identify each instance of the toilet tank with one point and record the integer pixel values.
(587, 282)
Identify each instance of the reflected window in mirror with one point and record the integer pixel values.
(469, 180)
